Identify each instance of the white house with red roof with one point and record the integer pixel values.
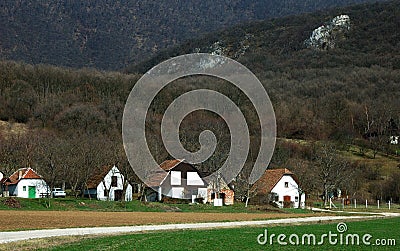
(181, 180)
(177, 179)
(279, 186)
(26, 183)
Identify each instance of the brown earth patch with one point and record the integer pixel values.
(20, 220)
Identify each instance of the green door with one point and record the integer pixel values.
(32, 192)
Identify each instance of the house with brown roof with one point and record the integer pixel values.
(279, 186)
(177, 179)
(182, 180)
(26, 183)
(108, 184)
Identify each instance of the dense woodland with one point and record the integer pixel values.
(330, 106)
(110, 34)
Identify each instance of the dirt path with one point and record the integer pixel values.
(6, 237)
(22, 220)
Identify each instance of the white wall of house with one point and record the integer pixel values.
(177, 189)
(23, 187)
(108, 184)
(177, 192)
(287, 186)
(202, 192)
(1, 185)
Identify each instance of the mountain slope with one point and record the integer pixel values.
(279, 44)
(318, 93)
(110, 35)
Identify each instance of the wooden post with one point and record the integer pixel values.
(389, 204)
(343, 203)
(366, 203)
(378, 204)
(355, 203)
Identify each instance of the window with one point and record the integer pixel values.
(105, 193)
(296, 199)
(194, 179)
(175, 178)
(114, 181)
(286, 184)
(24, 188)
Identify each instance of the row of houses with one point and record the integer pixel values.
(177, 179)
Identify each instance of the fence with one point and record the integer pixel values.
(358, 204)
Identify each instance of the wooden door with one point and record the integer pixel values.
(286, 201)
(117, 195)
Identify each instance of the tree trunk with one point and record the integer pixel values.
(124, 187)
(299, 206)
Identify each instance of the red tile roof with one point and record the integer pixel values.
(269, 179)
(169, 164)
(22, 173)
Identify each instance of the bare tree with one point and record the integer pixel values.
(333, 172)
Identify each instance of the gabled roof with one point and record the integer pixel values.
(269, 179)
(97, 177)
(157, 178)
(22, 173)
(169, 164)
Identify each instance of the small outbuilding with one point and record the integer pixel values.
(108, 184)
(280, 187)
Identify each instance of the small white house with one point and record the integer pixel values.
(26, 183)
(281, 187)
(108, 184)
(394, 140)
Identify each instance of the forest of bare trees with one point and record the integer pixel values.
(73, 120)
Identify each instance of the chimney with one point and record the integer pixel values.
(19, 174)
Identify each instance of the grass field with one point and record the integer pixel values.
(73, 204)
(229, 239)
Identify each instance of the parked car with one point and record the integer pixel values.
(58, 192)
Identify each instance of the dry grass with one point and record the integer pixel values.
(19, 220)
(7, 128)
(35, 244)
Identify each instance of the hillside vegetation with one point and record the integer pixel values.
(111, 34)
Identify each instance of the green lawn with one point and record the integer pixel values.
(65, 204)
(241, 238)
